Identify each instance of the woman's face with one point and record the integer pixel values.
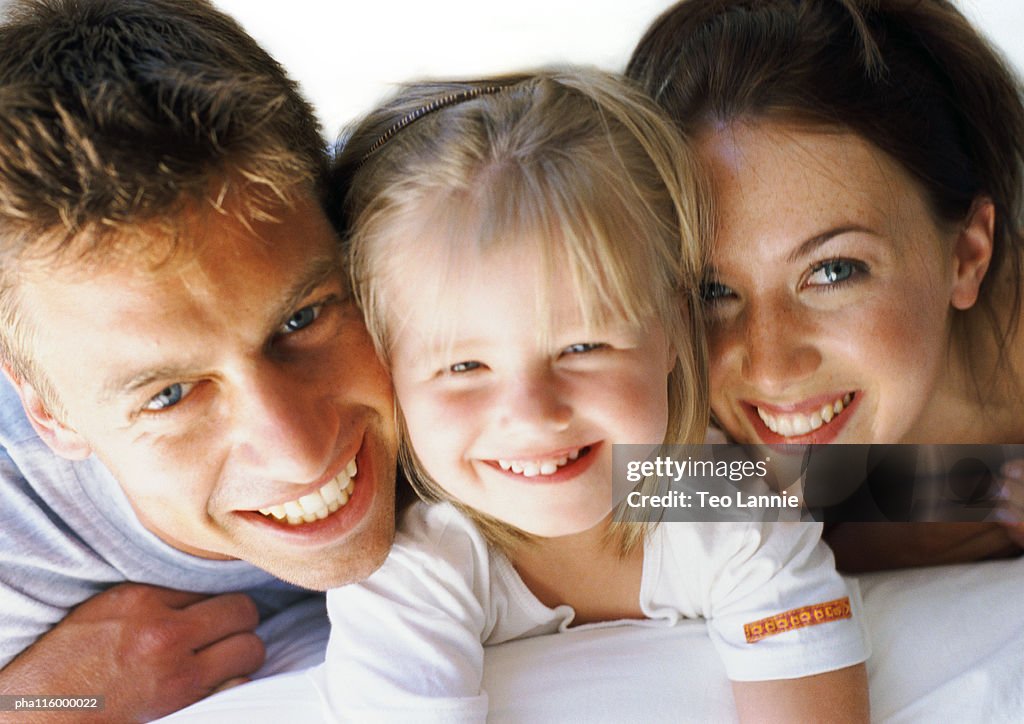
(830, 296)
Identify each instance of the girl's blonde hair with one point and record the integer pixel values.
(578, 158)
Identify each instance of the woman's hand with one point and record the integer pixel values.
(1011, 495)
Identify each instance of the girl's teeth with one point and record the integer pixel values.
(316, 506)
(790, 425)
(533, 468)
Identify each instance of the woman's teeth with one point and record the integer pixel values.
(532, 468)
(317, 506)
(792, 424)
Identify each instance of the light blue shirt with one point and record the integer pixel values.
(68, 532)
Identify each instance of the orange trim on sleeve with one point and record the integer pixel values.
(798, 618)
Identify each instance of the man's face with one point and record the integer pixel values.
(235, 379)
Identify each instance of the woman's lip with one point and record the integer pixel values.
(806, 406)
(825, 434)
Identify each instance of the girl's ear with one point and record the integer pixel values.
(972, 253)
(60, 438)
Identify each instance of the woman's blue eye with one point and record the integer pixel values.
(464, 367)
(712, 292)
(301, 319)
(167, 397)
(833, 271)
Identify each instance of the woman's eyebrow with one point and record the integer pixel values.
(808, 246)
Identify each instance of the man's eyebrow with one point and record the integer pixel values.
(318, 271)
(818, 239)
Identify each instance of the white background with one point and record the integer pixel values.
(347, 53)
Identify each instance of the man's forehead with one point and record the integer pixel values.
(242, 279)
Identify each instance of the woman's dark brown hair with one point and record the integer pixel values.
(913, 77)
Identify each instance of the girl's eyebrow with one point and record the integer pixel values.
(808, 246)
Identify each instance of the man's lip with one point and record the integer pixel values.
(825, 434)
(335, 525)
(340, 464)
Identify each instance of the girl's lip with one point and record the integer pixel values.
(549, 455)
(564, 473)
(825, 434)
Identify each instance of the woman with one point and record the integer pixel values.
(868, 163)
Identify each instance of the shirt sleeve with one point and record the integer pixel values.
(406, 644)
(775, 605)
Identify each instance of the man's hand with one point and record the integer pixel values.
(148, 651)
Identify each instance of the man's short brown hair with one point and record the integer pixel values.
(122, 113)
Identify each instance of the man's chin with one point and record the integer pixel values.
(322, 569)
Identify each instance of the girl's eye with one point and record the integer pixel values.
(582, 347)
(168, 396)
(833, 271)
(459, 367)
(301, 319)
(712, 292)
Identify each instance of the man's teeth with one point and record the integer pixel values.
(792, 424)
(317, 506)
(532, 468)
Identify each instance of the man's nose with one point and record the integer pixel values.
(284, 425)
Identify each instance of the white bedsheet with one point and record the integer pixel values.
(948, 645)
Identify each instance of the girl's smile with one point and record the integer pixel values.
(511, 400)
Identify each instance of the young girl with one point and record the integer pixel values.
(527, 253)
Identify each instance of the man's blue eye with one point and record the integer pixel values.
(301, 319)
(167, 397)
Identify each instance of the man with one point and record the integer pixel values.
(198, 397)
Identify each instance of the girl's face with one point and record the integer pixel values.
(831, 291)
(517, 423)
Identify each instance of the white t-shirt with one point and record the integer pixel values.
(407, 643)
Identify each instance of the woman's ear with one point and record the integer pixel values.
(972, 253)
(60, 438)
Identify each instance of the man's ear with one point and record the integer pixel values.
(972, 253)
(60, 438)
